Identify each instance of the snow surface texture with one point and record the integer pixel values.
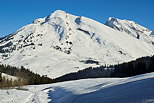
(137, 89)
(131, 28)
(57, 45)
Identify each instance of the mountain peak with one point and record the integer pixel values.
(131, 28)
(112, 19)
(59, 12)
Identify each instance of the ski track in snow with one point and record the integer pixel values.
(137, 89)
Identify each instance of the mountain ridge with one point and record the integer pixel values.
(62, 43)
(131, 28)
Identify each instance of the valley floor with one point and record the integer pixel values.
(137, 89)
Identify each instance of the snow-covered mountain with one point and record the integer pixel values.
(131, 28)
(137, 89)
(62, 43)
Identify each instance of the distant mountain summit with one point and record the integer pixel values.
(63, 43)
(131, 28)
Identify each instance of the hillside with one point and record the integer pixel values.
(127, 69)
(137, 89)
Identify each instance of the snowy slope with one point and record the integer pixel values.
(59, 43)
(9, 77)
(131, 28)
(137, 89)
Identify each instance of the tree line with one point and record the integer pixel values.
(6, 83)
(132, 68)
(26, 77)
(139, 66)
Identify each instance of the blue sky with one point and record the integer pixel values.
(16, 13)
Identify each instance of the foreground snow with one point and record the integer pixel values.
(137, 89)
